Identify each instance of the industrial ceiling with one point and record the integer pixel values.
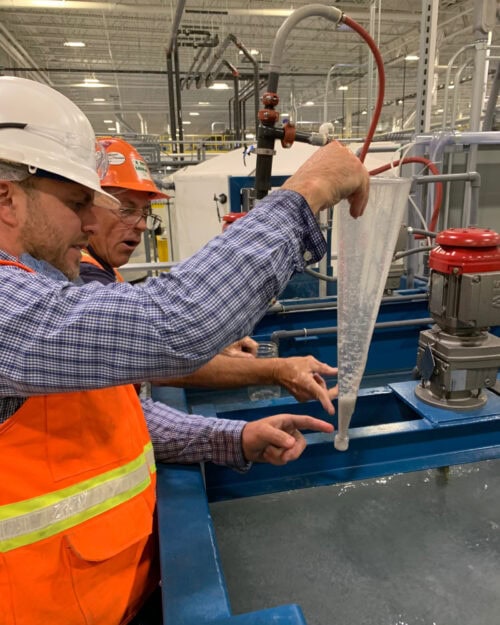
(125, 47)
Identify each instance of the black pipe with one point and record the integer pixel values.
(305, 332)
(170, 71)
(178, 97)
(235, 98)
(171, 101)
(187, 79)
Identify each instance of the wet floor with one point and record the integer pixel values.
(419, 548)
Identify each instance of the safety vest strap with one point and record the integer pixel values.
(31, 520)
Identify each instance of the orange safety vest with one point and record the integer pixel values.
(88, 258)
(77, 500)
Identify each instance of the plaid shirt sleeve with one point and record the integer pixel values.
(56, 336)
(187, 438)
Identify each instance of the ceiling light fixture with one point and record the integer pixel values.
(74, 44)
(309, 103)
(99, 99)
(219, 86)
(91, 80)
(412, 57)
(203, 103)
(194, 114)
(343, 88)
(108, 121)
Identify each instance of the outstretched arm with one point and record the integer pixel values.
(301, 376)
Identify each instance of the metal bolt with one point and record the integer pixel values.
(476, 279)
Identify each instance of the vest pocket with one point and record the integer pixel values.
(6, 613)
(109, 559)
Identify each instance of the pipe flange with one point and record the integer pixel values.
(289, 132)
(268, 117)
(270, 99)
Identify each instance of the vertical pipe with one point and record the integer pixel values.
(171, 102)
(371, 69)
(178, 97)
(492, 101)
(483, 33)
(170, 48)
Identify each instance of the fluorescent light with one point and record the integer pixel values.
(364, 113)
(451, 86)
(74, 44)
(220, 86)
(108, 121)
(203, 103)
(92, 85)
(194, 114)
(309, 103)
(186, 123)
(91, 80)
(343, 88)
(254, 52)
(111, 128)
(439, 111)
(99, 99)
(412, 57)
(249, 135)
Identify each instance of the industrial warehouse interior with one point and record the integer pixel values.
(393, 518)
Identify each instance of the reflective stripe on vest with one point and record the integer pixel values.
(26, 522)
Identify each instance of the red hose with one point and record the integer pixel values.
(439, 186)
(381, 81)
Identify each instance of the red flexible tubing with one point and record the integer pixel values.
(439, 186)
(381, 81)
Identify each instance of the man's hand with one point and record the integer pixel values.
(302, 376)
(331, 174)
(277, 439)
(244, 348)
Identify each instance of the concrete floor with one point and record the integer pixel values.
(411, 549)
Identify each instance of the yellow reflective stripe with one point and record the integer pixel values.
(28, 521)
(150, 456)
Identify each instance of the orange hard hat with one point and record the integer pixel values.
(127, 169)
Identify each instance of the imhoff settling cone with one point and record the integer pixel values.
(365, 250)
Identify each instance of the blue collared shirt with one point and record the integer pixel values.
(58, 336)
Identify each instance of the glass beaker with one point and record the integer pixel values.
(266, 349)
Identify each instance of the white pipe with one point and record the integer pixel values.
(310, 10)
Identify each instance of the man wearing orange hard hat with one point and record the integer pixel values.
(120, 230)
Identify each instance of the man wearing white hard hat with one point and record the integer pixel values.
(76, 456)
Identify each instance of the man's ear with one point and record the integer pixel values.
(10, 195)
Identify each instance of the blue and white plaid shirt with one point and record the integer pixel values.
(57, 336)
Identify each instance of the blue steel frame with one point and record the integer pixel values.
(391, 431)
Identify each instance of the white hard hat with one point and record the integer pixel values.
(41, 128)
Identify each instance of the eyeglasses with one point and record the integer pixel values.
(132, 216)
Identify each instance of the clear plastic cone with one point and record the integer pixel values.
(365, 250)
